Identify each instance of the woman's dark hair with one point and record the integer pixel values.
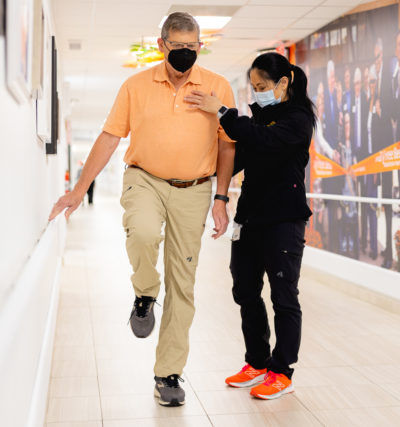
(273, 66)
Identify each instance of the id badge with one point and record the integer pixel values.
(236, 231)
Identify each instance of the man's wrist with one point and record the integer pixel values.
(221, 197)
(79, 191)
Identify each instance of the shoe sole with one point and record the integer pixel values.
(289, 389)
(174, 402)
(256, 380)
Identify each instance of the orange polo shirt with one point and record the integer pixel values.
(168, 139)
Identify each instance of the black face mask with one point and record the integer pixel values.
(182, 59)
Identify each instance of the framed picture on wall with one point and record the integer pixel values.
(19, 33)
(43, 101)
(51, 147)
(38, 49)
(2, 18)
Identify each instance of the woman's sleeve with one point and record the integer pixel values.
(286, 134)
(238, 164)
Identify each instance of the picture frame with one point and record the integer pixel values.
(51, 147)
(2, 18)
(38, 49)
(44, 89)
(19, 31)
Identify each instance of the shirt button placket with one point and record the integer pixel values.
(176, 102)
(174, 94)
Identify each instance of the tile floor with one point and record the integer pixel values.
(348, 373)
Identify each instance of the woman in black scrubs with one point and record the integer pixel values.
(271, 216)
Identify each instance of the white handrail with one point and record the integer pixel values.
(324, 196)
(379, 200)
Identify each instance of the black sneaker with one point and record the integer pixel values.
(168, 391)
(142, 316)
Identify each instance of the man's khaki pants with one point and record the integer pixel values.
(149, 202)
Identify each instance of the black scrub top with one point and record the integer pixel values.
(273, 149)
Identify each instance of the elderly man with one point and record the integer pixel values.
(347, 94)
(172, 154)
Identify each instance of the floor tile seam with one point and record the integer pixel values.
(350, 406)
(91, 420)
(357, 406)
(347, 383)
(389, 392)
(93, 339)
(305, 406)
(183, 416)
(156, 418)
(320, 420)
(197, 397)
(73, 377)
(300, 387)
(71, 397)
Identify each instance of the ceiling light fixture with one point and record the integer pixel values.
(207, 22)
(143, 53)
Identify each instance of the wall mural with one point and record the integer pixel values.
(353, 65)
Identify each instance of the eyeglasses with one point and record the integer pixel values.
(179, 45)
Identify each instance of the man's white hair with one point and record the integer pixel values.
(330, 68)
(357, 75)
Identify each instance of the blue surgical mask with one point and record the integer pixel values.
(267, 98)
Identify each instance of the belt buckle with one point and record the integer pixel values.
(180, 182)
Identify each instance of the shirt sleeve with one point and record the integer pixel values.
(117, 122)
(228, 100)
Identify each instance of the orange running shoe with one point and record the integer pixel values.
(247, 377)
(274, 386)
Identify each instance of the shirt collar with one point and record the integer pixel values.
(161, 75)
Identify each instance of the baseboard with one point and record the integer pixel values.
(363, 281)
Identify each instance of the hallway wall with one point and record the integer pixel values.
(30, 251)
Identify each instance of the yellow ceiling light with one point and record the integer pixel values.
(143, 54)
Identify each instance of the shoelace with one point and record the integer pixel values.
(270, 378)
(250, 371)
(245, 368)
(142, 305)
(172, 380)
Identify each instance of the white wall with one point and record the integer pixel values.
(30, 182)
(30, 254)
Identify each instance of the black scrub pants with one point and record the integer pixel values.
(277, 250)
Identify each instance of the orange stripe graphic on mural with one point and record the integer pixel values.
(385, 160)
(322, 166)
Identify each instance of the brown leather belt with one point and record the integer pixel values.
(178, 183)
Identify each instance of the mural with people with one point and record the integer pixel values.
(353, 65)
